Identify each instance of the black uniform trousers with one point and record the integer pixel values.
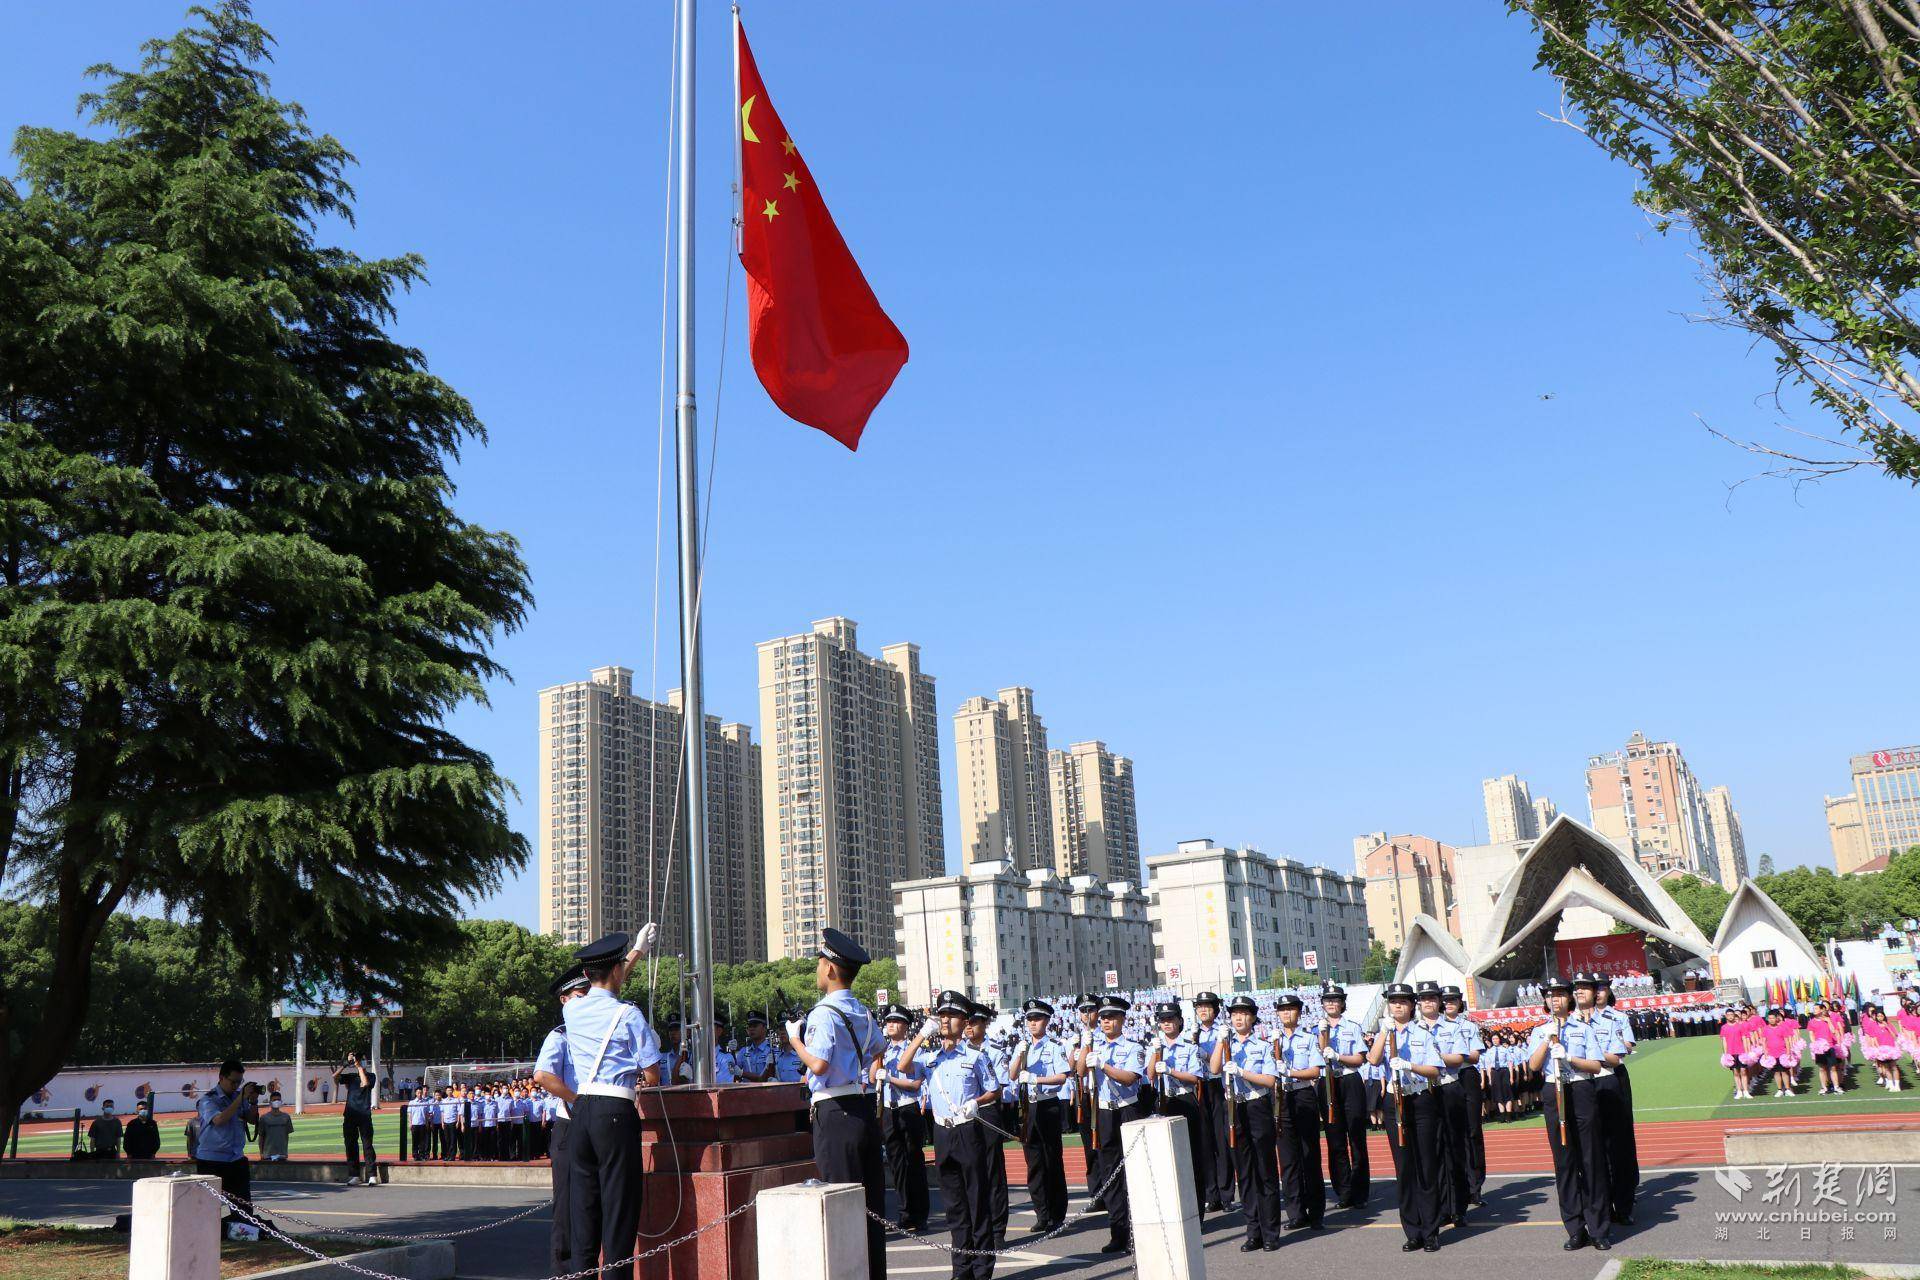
(1256, 1166)
(1046, 1163)
(846, 1148)
(356, 1128)
(1083, 1125)
(1303, 1188)
(1474, 1126)
(903, 1132)
(995, 1125)
(1349, 1167)
(1187, 1107)
(603, 1188)
(960, 1158)
(1413, 1136)
(1579, 1163)
(1108, 1121)
(1623, 1147)
(422, 1143)
(1215, 1173)
(1453, 1151)
(559, 1175)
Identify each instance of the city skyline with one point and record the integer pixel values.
(1545, 395)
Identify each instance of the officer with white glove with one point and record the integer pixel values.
(958, 1080)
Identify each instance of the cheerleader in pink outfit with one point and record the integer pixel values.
(1879, 1044)
(1733, 1043)
(1780, 1050)
(1827, 1035)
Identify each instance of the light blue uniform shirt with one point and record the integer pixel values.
(1344, 1036)
(891, 1094)
(1441, 1036)
(845, 1046)
(954, 1077)
(1415, 1042)
(1204, 1038)
(599, 1018)
(722, 1066)
(1180, 1054)
(1581, 1039)
(1123, 1055)
(753, 1059)
(1249, 1054)
(222, 1142)
(1297, 1050)
(556, 1059)
(449, 1110)
(1048, 1057)
(1621, 1024)
(787, 1067)
(420, 1112)
(1462, 1035)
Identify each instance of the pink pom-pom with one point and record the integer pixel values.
(1768, 1061)
(1821, 1046)
(1750, 1057)
(1727, 1060)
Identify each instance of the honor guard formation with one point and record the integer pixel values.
(1278, 1111)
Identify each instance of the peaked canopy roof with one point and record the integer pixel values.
(1750, 898)
(1427, 936)
(1572, 865)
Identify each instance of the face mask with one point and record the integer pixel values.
(275, 1104)
(106, 1111)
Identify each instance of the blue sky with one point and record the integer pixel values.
(1225, 427)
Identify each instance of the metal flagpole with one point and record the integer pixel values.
(699, 1020)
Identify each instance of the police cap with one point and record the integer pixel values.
(1037, 1009)
(573, 979)
(1085, 1001)
(1333, 991)
(1398, 991)
(1244, 1004)
(842, 950)
(1167, 1009)
(1207, 997)
(1288, 1000)
(1113, 1006)
(606, 950)
(953, 1002)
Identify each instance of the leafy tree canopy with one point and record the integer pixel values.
(237, 604)
(1785, 137)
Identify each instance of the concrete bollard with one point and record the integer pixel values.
(1161, 1199)
(176, 1230)
(812, 1231)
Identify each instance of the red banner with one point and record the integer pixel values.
(1614, 954)
(1677, 1000)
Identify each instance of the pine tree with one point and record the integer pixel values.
(238, 604)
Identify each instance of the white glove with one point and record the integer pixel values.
(794, 1029)
(1557, 1052)
(932, 1030)
(1231, 1069)
(1160, 1067)
(644, 943)
(1026, 1078)
(1401, 1064)
(1086, 1038)
(968, 1109)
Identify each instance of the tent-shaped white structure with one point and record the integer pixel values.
(1756, 942)
(1572, 866)
(1431, 954)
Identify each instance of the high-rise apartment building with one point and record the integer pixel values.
(611, 836)
(1729, 841)
(1225, 919)
(850, 789)
(1002, 935)
(1544, 812)
(1006, 803)
(1847, 834)
(1884, 816)
(1096, 830)
(1647, 802)
(1512, 813)
(1408, 876)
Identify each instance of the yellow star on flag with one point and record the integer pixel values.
(771, 212)
(793, 182)
(786, 145)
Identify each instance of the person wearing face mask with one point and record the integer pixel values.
(276, 1127)
(143, 1135)
(104, 1134)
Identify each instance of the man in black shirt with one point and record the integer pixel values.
(356, 1120)
(143, 1135)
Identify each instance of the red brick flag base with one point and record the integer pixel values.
(705, 1152)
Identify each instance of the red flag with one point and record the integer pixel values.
(822, 346)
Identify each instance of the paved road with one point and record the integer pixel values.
(1676, 1220)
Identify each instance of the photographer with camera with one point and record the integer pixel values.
(225, 1113)
(356, 1117)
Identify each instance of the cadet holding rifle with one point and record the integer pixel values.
(1174, 1063)
(1045, 1073)
(1245, 1064)
(1297, 1112)
(903, 1128)
(1344, 1046)
(1217, 1157)
(1412, 1112)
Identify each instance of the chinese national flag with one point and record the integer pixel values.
(822, 346)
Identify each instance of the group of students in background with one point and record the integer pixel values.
(1771, 1046)
(499, 1120)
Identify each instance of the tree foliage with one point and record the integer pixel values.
(1380, 962)
(1704, 901)
(237, 603)
(1785, 137)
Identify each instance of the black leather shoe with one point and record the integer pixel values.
(1460, 1221)
(1603, 1245)
(1411, 1246)
(1214, 1206)
(1301, 1225)
(1250, 1246)
(1271, 1245)
(1114, 1246)
(1623, 1219)
(1571, 1245)
(1432, 1245)
(1476, 1203)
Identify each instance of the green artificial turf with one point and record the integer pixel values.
(1660, 1269)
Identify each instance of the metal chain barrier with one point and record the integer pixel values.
(1094, 1205)
(345, 1265)
(527, 1212)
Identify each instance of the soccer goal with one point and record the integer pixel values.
(473, 1073)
